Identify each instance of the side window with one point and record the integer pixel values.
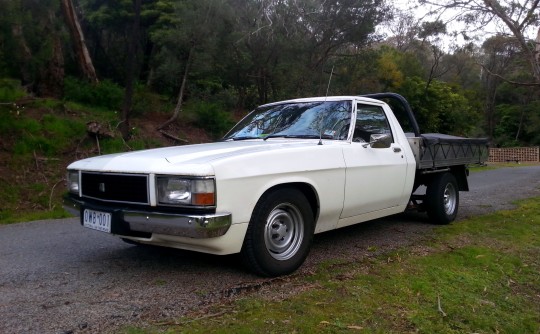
(370, 120)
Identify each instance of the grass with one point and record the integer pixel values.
(475, 276)
(497, 165)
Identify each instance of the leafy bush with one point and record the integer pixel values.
(105, 94)
(10, 90)
(144, 100)
(211, 117)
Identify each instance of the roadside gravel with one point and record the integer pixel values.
(56, 277)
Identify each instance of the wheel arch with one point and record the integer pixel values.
(460, 173)
(307, 189)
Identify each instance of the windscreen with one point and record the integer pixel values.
(321, 119)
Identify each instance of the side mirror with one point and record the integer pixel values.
(379, 140)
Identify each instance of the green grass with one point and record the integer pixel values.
(478, 168)
(497, 165)
(475, 276)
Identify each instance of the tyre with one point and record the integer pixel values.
(442, 199)
(279, 234)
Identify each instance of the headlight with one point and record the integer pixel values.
(73, 181)
(180, 191)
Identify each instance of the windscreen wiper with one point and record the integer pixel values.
(241, 138)
(299, 136)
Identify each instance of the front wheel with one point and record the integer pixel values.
(442, 198)
(280, 233)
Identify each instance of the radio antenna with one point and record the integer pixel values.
(329, 80)
(327, 89)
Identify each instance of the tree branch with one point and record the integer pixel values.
(527, 84)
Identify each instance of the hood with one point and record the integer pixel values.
(193, 160)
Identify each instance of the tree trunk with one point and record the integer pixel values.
(79, 44)
(537, 48)
(179, 102)
(52, 76)
(491, 94)
(25, 55)
(130, 71)
(520, 126)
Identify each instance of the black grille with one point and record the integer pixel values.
(126, 188)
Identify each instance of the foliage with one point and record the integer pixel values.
(440, 107)
(211, 117)
(105, 94)
(517, 124)
(10, 90)
(147, 101)
(388, 70)
(516, 114)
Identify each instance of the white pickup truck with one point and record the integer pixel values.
(285, 172)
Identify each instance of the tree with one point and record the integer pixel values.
(404, 28)
(441, 108)
(390, 76)
(498, 54)
(463, 68)
(131, 65)
(79, 44)
(19, 43)
(514, 17)
(423, 39)
(32, 45)
(292, 46)
(191, 29)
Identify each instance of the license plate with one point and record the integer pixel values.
(97, 220)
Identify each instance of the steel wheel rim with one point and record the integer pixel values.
(284, 231)
(449, 199)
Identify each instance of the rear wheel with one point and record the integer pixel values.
(442, 198)
(280, 232)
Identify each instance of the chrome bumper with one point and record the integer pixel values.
(191, 226)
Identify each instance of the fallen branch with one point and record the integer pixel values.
(36, 160)
(51, 195)
(168, 135)
(20, 102)
(125, 144)
(439, 308)
(171, 323)
(47, 159)
(98, 148)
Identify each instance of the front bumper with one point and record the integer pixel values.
(127, 221)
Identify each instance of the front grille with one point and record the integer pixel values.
(125, 188)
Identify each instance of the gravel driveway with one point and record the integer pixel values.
(57, 277)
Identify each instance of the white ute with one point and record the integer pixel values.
(285, 172)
